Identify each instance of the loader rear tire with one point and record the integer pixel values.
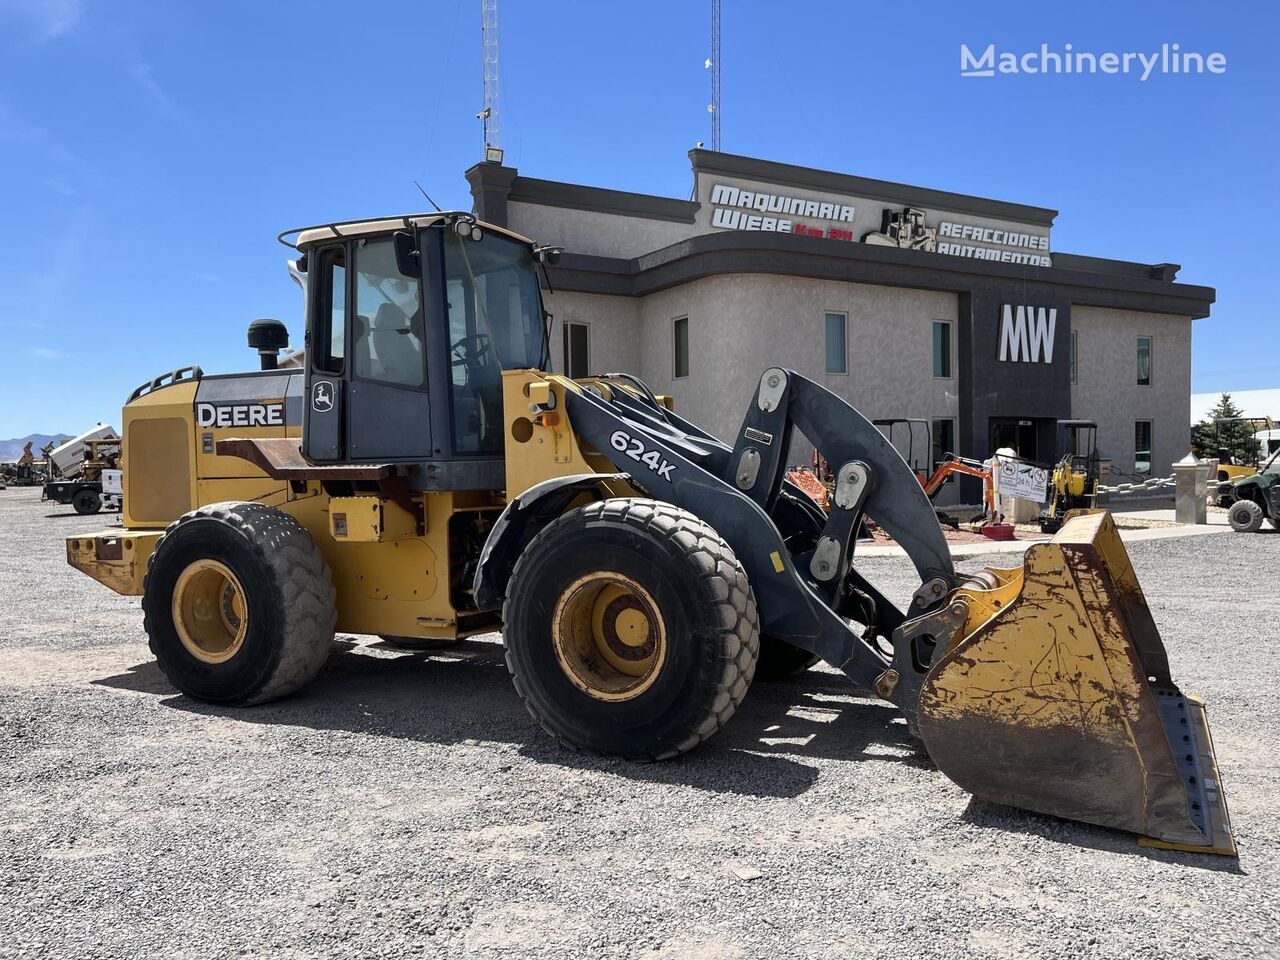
(1245, 516)
(238, 604)
(631, 629)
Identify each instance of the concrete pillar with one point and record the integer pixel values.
(1104, 471)
(490, 187)
(1190, 490)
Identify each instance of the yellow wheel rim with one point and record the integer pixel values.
(209, 611)
(609, 637)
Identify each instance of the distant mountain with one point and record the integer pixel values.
(11, 450)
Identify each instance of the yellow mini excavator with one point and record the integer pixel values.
(425, 476)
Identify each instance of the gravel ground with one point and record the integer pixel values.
(406, 805)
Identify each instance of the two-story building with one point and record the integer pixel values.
(907, 301)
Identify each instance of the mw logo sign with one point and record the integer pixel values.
(1026, 334)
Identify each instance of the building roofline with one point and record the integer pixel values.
(717, 254)
(553, 193)
(709, 161)
(493, 186)
(1167, 272)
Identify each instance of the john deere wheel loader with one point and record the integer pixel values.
(425, 475)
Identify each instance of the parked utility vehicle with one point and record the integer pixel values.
(1257, 497)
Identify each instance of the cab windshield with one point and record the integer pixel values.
(496, 323)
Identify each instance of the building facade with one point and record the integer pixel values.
(908, 302)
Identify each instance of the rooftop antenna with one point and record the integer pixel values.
(713, 64)
(428, 196)
(491, 115)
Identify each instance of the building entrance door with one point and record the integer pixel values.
(1018, 435)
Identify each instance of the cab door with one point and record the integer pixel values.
(323, 416)
(387, 408)
(366, 392)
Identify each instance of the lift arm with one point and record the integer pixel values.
(800, 597)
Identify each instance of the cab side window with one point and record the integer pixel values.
(331, 312)
(387, 334)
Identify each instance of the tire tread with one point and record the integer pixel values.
(723, 582)
(306, 589)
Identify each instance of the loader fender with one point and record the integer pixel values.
(520, 522)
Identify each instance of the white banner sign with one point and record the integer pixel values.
(1017, 479)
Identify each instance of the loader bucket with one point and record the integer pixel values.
(1061, 701)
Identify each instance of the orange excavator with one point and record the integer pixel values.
(954, 465)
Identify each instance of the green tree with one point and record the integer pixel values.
(1224, 427)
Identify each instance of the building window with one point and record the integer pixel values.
(577, 350)
(1075, 374)
(944, 440)
(941, 348)
(1144, 361)
(680, 354)
(837, 352)
(1142, 446)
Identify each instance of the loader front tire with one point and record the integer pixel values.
(238, 604)
(631, 629)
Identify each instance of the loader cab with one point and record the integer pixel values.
(410, 325)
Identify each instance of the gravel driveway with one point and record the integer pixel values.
(405, 804)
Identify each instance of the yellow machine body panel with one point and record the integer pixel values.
(1059, 700)
(115, 558)
(541, 443)
(1069, 481)
(396, 585)
(1235, 471)
(370, 519)
(159, 458)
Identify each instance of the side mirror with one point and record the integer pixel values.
(408, 261)
(548, 255)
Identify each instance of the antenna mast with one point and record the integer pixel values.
(713, 64)
(491, 115)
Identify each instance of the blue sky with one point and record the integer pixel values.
(150, 152)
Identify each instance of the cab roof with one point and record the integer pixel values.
(306, 236)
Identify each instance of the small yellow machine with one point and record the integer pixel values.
(1073, 485)
(425, 476)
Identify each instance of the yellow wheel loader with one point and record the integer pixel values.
(423, 475)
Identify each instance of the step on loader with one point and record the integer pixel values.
(422, 475)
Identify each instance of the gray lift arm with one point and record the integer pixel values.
(802, 598)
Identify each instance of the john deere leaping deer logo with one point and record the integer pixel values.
(322, 396)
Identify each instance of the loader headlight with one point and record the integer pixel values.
(468, 229)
